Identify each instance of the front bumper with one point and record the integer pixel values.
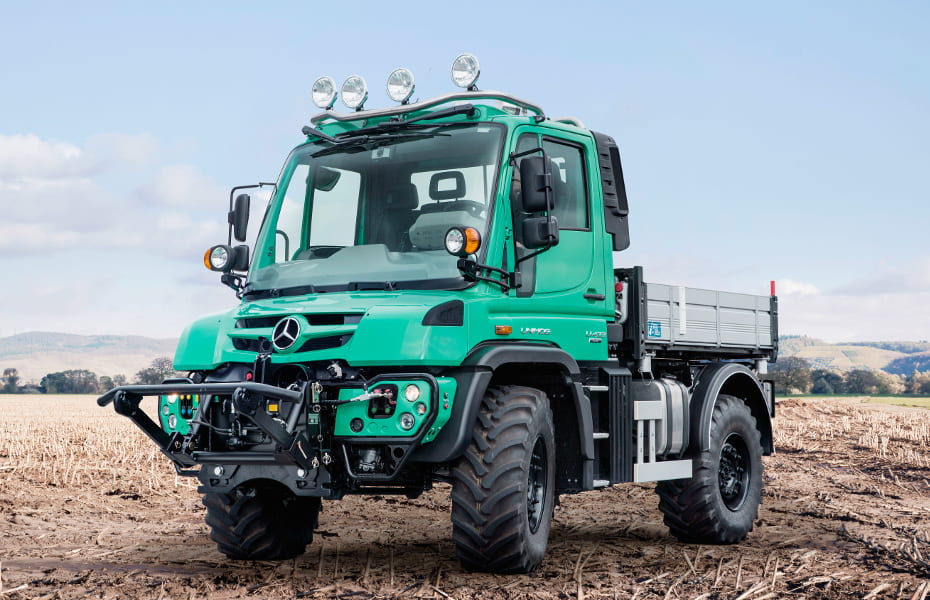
(319, 454)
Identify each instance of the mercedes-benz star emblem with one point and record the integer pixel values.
(285, 333)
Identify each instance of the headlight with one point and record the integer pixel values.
(400, 85)
(465, 70)
(354, 92)
(323, 92)
(420, 408)
(407, 421)
(411, 393)
(462, 241)
(172, 422)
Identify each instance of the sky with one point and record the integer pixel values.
(784, 141)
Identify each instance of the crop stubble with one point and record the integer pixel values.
(87, 506)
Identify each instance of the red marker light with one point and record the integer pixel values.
(248, 376)
(772, 285)
(618, 287)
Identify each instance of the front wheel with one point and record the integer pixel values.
(261, 522)
(720, 503)
(503, 487)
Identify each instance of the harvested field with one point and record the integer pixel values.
(89, 508)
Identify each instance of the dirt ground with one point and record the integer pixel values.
(88, 509)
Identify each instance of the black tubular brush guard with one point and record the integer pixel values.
(246, 397)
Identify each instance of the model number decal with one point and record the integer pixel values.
(536, 330)
(653, 329)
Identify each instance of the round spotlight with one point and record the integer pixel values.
(400, 85)
(465, 70)
(323, 92)
(354, 92)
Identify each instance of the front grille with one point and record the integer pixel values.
(313, 319)
(264, 345)
(324, 343)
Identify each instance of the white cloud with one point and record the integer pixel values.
(27, 155)
(56, 197)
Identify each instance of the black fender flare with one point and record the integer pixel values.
(473, 378)
(734, 379)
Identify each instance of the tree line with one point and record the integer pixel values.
(83, 381)
(795, 375)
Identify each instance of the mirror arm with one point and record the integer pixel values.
(234, 282)
(471, 270)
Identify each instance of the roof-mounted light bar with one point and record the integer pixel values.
(400, 87)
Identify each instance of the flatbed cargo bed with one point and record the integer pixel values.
(678, 321)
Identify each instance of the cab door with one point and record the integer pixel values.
(572, 267)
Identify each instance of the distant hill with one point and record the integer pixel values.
(37, 353)
(909, 363)
(893, 357)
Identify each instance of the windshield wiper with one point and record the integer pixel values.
(359, 143)
(395, 125)
(308, 131)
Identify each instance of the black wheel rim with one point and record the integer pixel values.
(536, 486)
(734, 471)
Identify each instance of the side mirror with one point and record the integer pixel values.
(540, 232)
(536, 183)
(239, 217)
(225, 259)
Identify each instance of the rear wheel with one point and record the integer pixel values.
(261, 522)
(503, 487)
(720, 502)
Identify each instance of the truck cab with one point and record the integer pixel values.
(432, 298)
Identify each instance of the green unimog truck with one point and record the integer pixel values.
(432, 298)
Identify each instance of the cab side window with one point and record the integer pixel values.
(571, 188)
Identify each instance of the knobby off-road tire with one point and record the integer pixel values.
(720, 502)
(503, 487)
(261, 522)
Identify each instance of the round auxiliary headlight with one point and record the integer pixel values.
(354, 92)
(165, 409)
(400, 85)
(462, 241)
(411, 393)
(407, 421)
(455, 241)
(465, 70)
(323, 92)
(420, 408)
(217, 258)
(172, 422)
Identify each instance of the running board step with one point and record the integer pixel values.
(662, 471)
(599, 483)
(596, 388)
(601, 435)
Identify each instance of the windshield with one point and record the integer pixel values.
(375, 211)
